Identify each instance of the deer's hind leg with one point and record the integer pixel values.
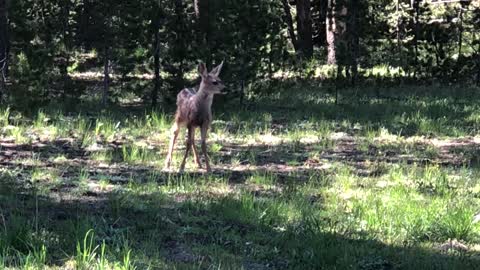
(175, 131)
(194, 150)
(191, 131)
(204, 133)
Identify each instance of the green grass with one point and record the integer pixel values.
(298, 183)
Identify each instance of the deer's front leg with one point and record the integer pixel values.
(175, 130)
(204, 133)
(189, 145)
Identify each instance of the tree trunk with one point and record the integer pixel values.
(289, 21)
(460, 32)
(66, 53)
(354, 39)
(180, 49)
(4, 46)
(331, 58)
(242, 92)
(196, 5)
(202, 15)
(416, 17)
(156, 57)
(399, 41)
(336, 28)
(478, 69)
(106, 75)
(304, 28)
(319, 18)
(477, 53)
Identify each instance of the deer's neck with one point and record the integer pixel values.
(203, 98)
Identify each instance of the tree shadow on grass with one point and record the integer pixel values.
(234, 162)
(294, 156)
(411, 110)
(220, 232)
(192, 229)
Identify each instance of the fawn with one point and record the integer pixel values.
(194, 109)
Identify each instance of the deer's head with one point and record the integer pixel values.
(212, 84)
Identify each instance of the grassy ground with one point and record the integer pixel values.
(298, 183)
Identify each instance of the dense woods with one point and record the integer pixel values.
(148, 47)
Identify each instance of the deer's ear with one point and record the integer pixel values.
(202, 70)
(216, 71)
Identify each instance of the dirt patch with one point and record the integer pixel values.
(180, 253)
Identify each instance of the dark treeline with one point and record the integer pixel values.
(147, 47)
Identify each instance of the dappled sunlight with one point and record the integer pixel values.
(275, 181)
(98, 75)
(266, 139)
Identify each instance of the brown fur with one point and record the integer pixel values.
(194, 109)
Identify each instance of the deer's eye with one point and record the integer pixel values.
(215, 83)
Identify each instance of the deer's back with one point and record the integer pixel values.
(184, 96)
(191, 110)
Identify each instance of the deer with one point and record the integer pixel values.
(194, 109)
